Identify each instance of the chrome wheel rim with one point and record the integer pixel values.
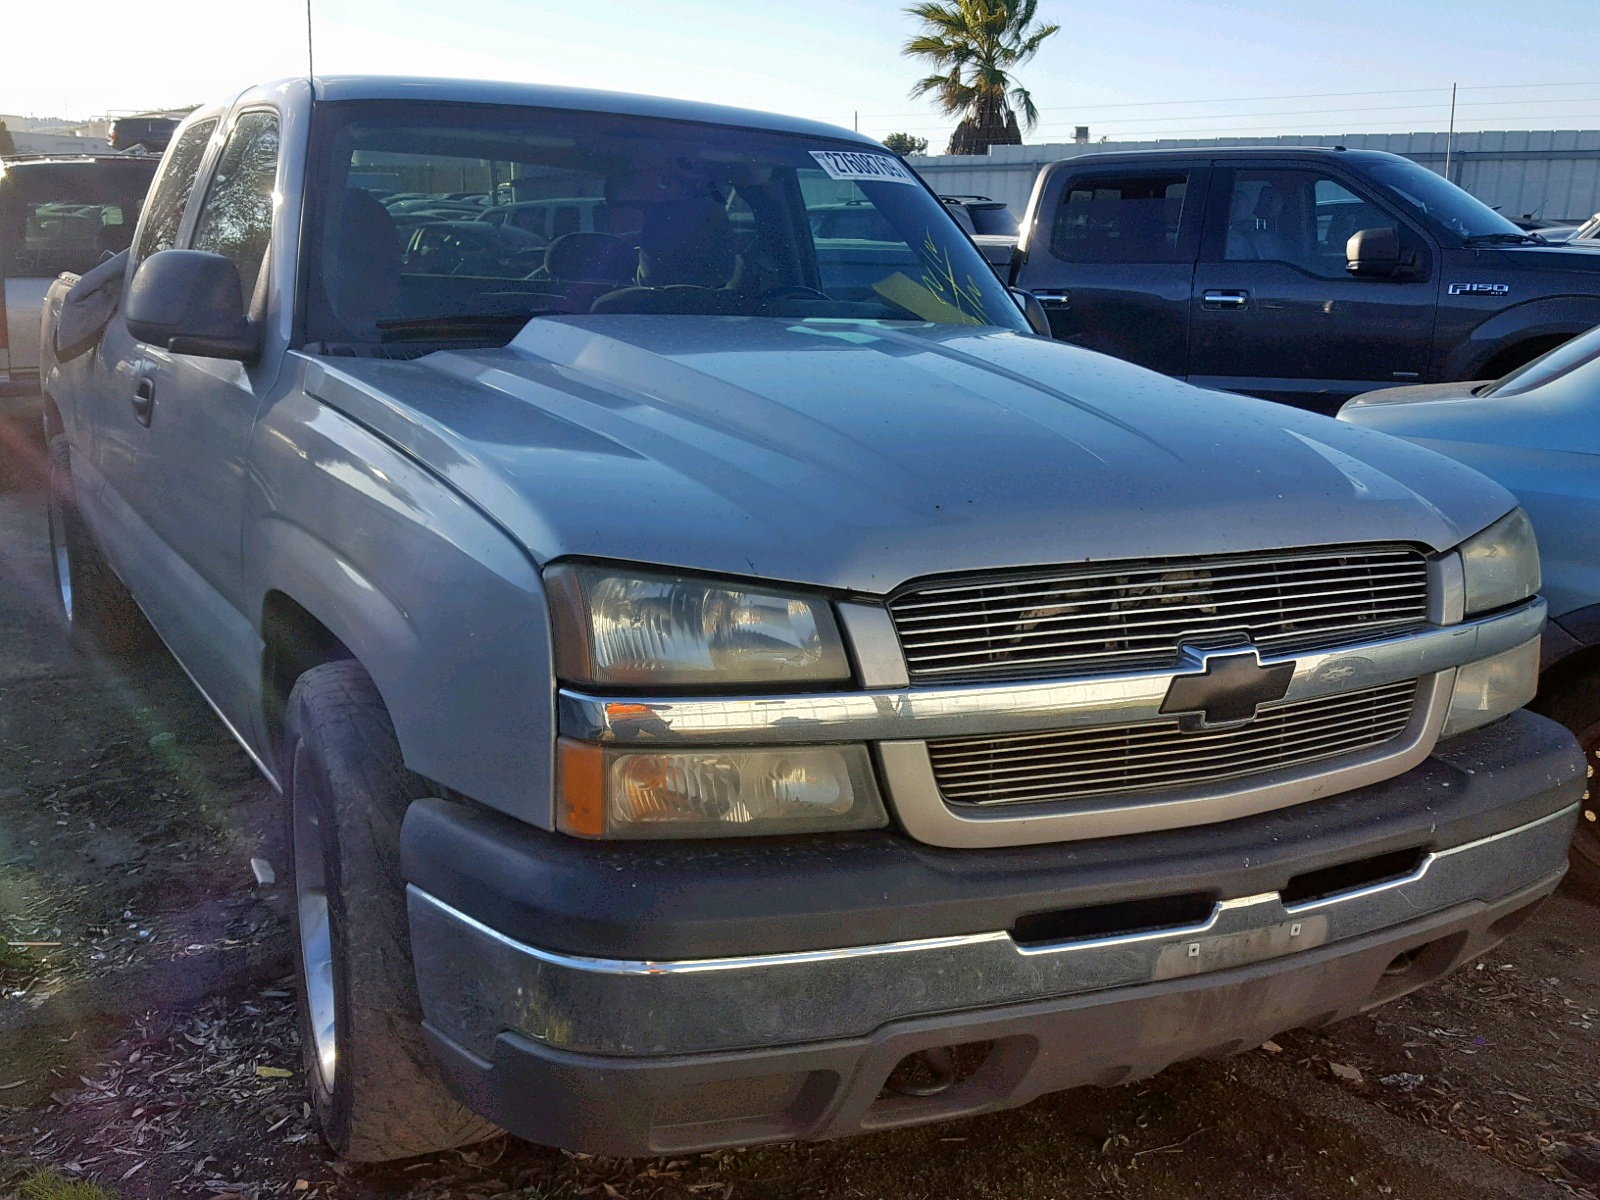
(59, 560)
(316, 942)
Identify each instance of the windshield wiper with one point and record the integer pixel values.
(448, 325)
(1507, 239)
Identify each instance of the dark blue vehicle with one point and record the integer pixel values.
(1303, 275)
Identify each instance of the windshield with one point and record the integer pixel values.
(459, 222)
(1581, 353)
(1442, 202)
(57, 216)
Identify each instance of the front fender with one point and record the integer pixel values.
(1533, 320)
(443, 610)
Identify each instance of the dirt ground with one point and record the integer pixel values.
(147, 1036)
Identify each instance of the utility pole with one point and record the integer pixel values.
(311, 72)
(856, 125)
(1450, 138)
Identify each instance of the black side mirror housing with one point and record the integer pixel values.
(1038, 319)
(1373, 253)
(191, 302)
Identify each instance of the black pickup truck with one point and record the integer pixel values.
(1304, 275)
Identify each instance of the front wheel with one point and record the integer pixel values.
(1577, 706)
(368, 1069)
(1585, 871)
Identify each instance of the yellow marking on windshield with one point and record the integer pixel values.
(918, 298)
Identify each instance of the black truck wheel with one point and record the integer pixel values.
(97, 611)
(368, 1069)
(1577, 706)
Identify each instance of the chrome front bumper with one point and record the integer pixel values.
(477, 984)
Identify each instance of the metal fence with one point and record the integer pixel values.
(1553, 173)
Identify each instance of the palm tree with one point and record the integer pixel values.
(975, 45)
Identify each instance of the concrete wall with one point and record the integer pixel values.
(1554, 174)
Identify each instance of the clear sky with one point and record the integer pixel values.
(1143, 69)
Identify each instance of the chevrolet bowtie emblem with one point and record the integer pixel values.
(1232, 685)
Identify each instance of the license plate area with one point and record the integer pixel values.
(1218, 952)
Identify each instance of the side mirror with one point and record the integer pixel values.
(191, 302)
(1038, 319)
(1373, 253)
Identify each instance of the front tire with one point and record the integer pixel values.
(97, 612)
(1577, 706)
(369, 1072)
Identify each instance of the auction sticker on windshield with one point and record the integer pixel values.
(847, 164)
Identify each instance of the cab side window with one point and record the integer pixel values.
(170, 194)
(1131, 218)
(236, 220)
(1299, 218)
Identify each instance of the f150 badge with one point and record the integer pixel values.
(1480, 289)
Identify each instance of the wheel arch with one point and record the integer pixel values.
(1525, 351)
(293, 641)
(319, 607)
(53, 424)
(1571, 652)
(353, 551)
(1514, 335)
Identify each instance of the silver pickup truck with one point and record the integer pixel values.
(729, 683)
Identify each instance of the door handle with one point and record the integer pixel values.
(1061, 298)
(1221, 299)
(144, 400)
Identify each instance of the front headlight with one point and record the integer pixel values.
(1501, 564)
(620, 792)
(637, 629)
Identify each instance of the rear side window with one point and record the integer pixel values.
(237, 218)
(67, 216)
(1130, 218)
(170, 195)
(994, 220)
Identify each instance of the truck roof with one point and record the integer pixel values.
(1193, 153)
(336, 88)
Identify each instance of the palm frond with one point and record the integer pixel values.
(975, 45)
(1030, 46)
(1022, 104)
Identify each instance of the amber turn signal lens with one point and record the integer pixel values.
(622, 792)
(581, 788)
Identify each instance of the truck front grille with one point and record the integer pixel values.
(1076, 764)
(1135, 616)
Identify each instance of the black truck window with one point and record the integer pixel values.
(1123, 218)
(170, 195)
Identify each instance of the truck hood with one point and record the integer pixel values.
(1417, 393)
(860, 455)
(1576, 256)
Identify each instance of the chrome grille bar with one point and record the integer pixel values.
(1072, 764)
(1110, 618)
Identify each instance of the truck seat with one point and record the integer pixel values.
(591, 258)
(362, 263)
